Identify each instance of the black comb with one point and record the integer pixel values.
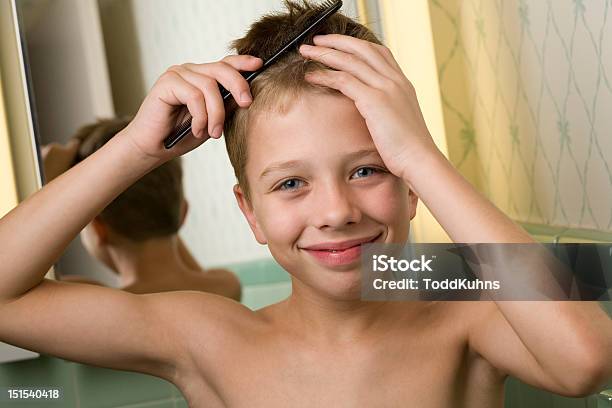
(327, 9)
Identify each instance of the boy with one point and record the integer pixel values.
(136, 235)
(322, 172)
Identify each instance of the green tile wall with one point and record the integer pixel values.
(264, 282)
(85, 386)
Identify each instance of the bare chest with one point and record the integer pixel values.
(434, 373)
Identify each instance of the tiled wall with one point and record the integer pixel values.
(264, 282)
(87, 387)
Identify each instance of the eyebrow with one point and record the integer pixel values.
(291, 164)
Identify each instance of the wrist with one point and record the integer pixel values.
(129, 159)
(134, 155)
(422, 159)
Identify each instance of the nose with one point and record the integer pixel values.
(334, 207)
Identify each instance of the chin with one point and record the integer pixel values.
(343, 286)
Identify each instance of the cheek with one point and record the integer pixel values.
(280, 220)
(282, 223)
(388, 204)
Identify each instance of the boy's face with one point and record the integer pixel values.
(317, 184)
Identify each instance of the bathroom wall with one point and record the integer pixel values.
(527, 88)
(408, 33)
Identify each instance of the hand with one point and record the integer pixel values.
(192, 88)
(58, 158)
(369, 75)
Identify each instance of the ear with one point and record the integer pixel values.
(413, 199)
(101, 231)
(184, 211)
(249, 214)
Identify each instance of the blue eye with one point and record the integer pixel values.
(291, 184)
(364, 172)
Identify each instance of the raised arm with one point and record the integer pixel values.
(75, 321)
(562, 346)
(88, 323)
(565, 347)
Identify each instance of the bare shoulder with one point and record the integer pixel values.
(193, 310)
(206, 324)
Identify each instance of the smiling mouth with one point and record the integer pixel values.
(341, 247)
(339, 254)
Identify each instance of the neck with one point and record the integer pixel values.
(148, 261)
(331, 320)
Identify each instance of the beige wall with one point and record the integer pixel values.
(8, 187)
(527, 90)
(408, 33)
(17, 123)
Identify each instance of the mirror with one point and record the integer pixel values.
(91, 59)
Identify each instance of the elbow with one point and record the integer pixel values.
(590, 373)
(588, 383)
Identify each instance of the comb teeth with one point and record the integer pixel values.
(327, 3)
(178, 133)
(320, 13)
(324, 11)
(184, 125)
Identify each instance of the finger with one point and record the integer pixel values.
(243, 62)
(366, 49)
(343, 61)
(238, 62)
(214, 103)
(387, 55)
(226, 73)
(188, 143)
(176, 91)
(341, 81)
